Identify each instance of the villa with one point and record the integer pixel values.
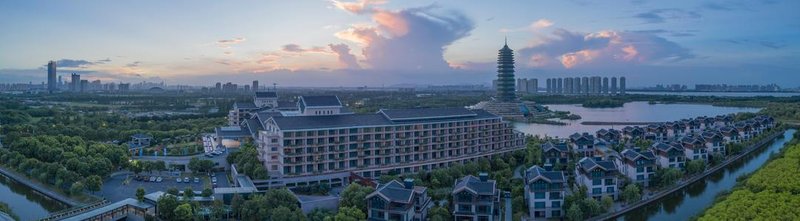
(600, 177)
(398, 201)
(545, 192)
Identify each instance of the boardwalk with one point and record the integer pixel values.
(684, 183)
(39, 188)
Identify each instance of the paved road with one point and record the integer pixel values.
(39, 188)
(114, 188)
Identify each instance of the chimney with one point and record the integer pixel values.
(483, 176)
(409, 183)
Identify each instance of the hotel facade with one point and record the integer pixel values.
(323, 144)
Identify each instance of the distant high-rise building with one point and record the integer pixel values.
(560, 86)
(533, 85)
(605, 85)
(83, 85)
(505, 74)
(246, 88)
(76, 83)
(255, 86)
(219, 86)
(621, 85)
(51, 76)
(585, 85)
(613, 85)
(549, 86)
(124, 87)
(576, 85)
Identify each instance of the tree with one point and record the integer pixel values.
(183, 212)
(319, 214)
(282, 213)
(439, 213)
(217, 209)
(574, 213)
(607, 202)
(188, 193)
(236, 203)
(166, 206)
(200, 165)
(93, 183)
(140, 194)
(76, 188)
(631, 193)
(591, 207)
(667, 177)
(355, 196)
(695, 166)
(349, 213)
(207, 192)
(173, 191)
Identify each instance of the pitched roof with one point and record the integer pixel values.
(426, 113)
(245, 105)
(266, 94)
(561, 147)
(665, 147)
(395, 191)
(321, 101)
(536, 172)
(357, 120)
(475, 185)
(588, 164)
(632, 154)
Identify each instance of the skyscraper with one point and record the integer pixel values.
(76, 82)
(621, 85)
(605, 86)
(255, 86)
(51, 76)
(613, 85)
(505, 74)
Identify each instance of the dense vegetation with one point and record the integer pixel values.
(771, 193)
(246, 161)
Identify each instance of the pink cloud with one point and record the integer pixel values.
(357, 7)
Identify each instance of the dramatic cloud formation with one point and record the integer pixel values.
(345, 57)
(662, 15)
(227, 43)
(409, 39)
(605, 48)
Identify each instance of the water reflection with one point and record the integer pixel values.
(26, 203)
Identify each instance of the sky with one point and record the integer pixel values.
(384, 43)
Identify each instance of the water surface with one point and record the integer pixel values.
(26, 203)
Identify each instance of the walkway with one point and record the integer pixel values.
(39, 188)
(684, 183)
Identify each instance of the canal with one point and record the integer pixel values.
(693, 199)
(25, 202)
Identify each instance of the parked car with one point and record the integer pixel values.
(213, 175)
(178, 180)
(196, 180)
(159, 179)
(213, 179)
(209, 155)
(186, 179)
(152, 179)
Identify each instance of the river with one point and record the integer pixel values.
(630, 112)
(25, 202)
(719, 94)
(693, 199)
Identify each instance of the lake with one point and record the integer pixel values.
(25, 202)
(630, 112)
(719, 94)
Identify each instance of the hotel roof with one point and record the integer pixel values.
(551, 176)
(321, 101)
(426, 113)
(360, 120)
(266, 94)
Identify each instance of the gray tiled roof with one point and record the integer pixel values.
(253, 126)
(476, 185)
(223, 132)
(394, 191)
(245, 105)
(355, 120)
(266, 94)
(321, 101)
(664, 147)
(536, 171)
(561, 147)
(633, 154)
(587, 164)
(426, 113)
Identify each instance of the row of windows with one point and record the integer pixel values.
(542, 195)
(597, 182)
(496, 124)
(599, 190)
(541, 205)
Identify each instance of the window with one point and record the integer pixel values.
(539, 195)
(555, 195)
(555, 204)
(597, 190)
(597, 181)
(464, 207)
(556, 213)
(610, 189)
(610, 182)
(539, 205)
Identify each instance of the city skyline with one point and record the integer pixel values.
(374, 43)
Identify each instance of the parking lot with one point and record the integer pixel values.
(115, 189)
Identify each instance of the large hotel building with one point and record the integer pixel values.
(323, 142)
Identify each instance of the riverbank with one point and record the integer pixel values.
(612, 123)
(39, 188)
(684, 183)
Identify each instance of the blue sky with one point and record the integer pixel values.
(374, 42)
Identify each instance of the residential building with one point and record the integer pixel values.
(729, 134)
(398, 201)
(639, 166)
(599, 177)
(476, 198)
(632, 133)
(657, 131)
(694, 148)
(670, 155)
(51, 77)
(610, 135)
(714, 142)
(555, 154)
(545, 192)
(582, 144)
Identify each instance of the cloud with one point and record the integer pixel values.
(541, 23)
(772, 44)
(686, 33)
(295, 48)
(70, 63)
(664, 14)
(133, 64)
(357, 7)
(345, 57)
(227, 43)
(605, 48)
(406, 39)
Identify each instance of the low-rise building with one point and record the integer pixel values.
(609, 135)
(639, 166)
(694, 148)
(555, 154)
(398, 201)
(670, 155)
(729, 134)
(545, 192)
(714, 142)
(476, 198)
(599, 177)
(632, 133)
(582, 144)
